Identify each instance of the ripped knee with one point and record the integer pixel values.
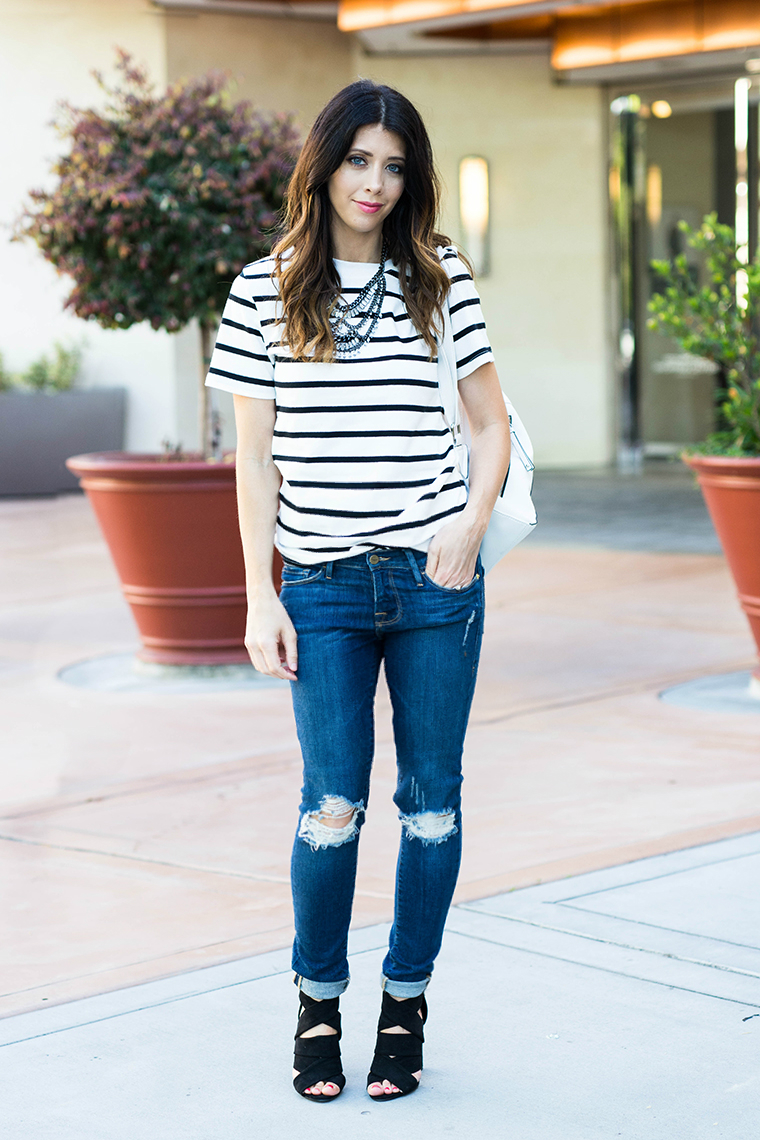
(335, 822)
(430, 826)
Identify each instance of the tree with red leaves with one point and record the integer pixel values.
(160, 200)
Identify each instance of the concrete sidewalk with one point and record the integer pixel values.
(145, 833)
(625, 1002)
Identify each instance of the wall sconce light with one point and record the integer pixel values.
(654, 195)
(474, 211)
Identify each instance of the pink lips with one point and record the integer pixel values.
(370, 207)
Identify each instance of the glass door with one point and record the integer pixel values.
(673, 158)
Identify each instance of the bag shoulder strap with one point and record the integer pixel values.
(447, 374)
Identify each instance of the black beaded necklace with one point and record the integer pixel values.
(353, 325)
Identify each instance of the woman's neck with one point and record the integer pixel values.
(351, 246)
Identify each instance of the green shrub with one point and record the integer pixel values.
(708, 321)
(6, 379)
(56, 375)
(44, 374)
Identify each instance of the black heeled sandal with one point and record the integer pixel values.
(398, 1055)
(318, 1058)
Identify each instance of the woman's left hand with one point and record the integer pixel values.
(453, 552)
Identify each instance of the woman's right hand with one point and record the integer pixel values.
(271, 639)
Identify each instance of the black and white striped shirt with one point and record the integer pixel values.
(362, 445)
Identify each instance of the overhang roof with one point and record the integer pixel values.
(593, 40)
(356, 15)
(584, 35)
(300, 9)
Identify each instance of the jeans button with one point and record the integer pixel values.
(373, 560)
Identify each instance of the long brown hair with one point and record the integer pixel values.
(308, 281)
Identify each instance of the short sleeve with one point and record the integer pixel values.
(471, 343)
(240, 362)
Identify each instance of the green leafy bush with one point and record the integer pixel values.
(708, 321)
(56, 375)
(44, 374)
(6, 379)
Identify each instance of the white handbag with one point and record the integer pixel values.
(514, 515)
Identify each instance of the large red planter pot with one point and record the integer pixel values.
(731, 488)
(172, 529)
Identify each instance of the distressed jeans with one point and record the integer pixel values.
(350, 615)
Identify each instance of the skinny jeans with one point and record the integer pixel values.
(350, 615)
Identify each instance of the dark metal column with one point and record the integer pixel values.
(627, 198)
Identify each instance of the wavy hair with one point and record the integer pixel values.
(308, 281)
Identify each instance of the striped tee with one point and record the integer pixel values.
(364, 452)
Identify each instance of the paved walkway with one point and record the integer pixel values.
(144, 840)
(625, 1002)
(657, 509)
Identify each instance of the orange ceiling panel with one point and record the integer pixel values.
(624, 33)
(360, 15)
(357, 15)
(730, 24)
(527, 28)
(651, 32)
(585, 41)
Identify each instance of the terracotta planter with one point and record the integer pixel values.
(731, 488)
(172, 529)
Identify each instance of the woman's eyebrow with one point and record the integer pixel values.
(369, 154)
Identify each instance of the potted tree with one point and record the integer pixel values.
(719, 320)
(157, 204)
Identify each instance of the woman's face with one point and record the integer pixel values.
(369, 182)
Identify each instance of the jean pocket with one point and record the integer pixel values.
(300, 575)
(454, 590)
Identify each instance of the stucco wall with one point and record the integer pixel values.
(280, 64)
(47, 50)
(544, 299)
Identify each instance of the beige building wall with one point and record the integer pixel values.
(544, 298)
(280, 64)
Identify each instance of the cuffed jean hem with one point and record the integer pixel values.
(320, 991)
(404, 989)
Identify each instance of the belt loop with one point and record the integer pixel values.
(328, 570)
(414, 567)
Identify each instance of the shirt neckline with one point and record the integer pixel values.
(358, 264)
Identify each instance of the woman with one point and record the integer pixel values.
(346, 462)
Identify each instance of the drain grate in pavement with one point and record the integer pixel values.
(125, 673)
(726, 693)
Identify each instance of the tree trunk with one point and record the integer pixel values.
(207, 420)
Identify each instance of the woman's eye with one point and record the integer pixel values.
(356, 160)
(395, 168)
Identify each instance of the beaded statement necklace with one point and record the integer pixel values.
(353, 325)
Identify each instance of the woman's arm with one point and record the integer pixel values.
(454, 550)
(270, 637)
